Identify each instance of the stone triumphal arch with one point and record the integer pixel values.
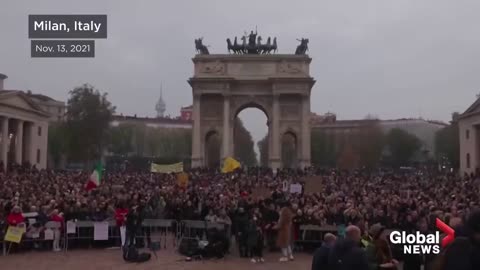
(279, 85)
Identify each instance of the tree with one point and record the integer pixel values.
(121, 139)
(447, 144)
(348, 158)
(322, 148)
(368, 143)
(263, 149)
(57, 143)
(402, 146)
(89, 114)
(168, 143)
(243, 144)
(140, 140)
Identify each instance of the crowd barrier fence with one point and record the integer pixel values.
(153, 229)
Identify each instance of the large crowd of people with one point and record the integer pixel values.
(406, 200)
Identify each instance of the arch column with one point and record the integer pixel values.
(198, 155)
(274, 135)
(305, 133)
(226, 134)
(5, 139)
(19, 142)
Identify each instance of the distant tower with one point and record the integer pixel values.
(161, 106)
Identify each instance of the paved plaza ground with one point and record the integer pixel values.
(104, 259)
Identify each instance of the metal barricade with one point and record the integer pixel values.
(192, 228)
(153, 229)
(84, 230)
(213, 225)
(161, 226)
(199, 229)
(314, 233)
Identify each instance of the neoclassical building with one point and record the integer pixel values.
(24, 128)
(469, 135)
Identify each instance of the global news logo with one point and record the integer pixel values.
(419, 243)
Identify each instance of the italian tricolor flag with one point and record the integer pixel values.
(95, 178)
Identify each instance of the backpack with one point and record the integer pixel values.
(214, 250)
(131, 254)
(188, 247)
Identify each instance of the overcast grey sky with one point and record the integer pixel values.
(390, 58)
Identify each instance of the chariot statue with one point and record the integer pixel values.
(254, 45)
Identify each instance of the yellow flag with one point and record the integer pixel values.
(229, 165)
(171, 168)
(182, 180)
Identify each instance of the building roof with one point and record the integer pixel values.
(7, 93)
(3, 76)
(473, 109)
(158, 120)
(329, 120)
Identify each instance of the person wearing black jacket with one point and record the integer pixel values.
(464, 252)
(320, 257)
(347, 254)
(270, 218)
(241, 225)
(133, 224)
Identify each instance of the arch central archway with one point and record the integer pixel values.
(279, 85)
(249, 132)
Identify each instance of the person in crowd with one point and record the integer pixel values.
(320, 256)
(224, 218)
(379, 252)
(464, 252)
(347, 254)
(270, 218)
(397, 199)
(56, 216)
(132, 225)
(121, 213)
(146, 212)
(255, 238)
(284, 227)
(211, 217)
(241, 225)
(15, 218)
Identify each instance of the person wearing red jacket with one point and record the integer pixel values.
(15, 217)
(120, 217)
(57, 233)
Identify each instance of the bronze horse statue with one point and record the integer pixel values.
(303, 47)
(235, 47)
(200, 48)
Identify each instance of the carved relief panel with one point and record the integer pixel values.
(290, 111)
(290, 106)
(211, 107)
(292, 68)
(212, 68)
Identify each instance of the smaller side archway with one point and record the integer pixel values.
(212, 149)
(289, 146)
